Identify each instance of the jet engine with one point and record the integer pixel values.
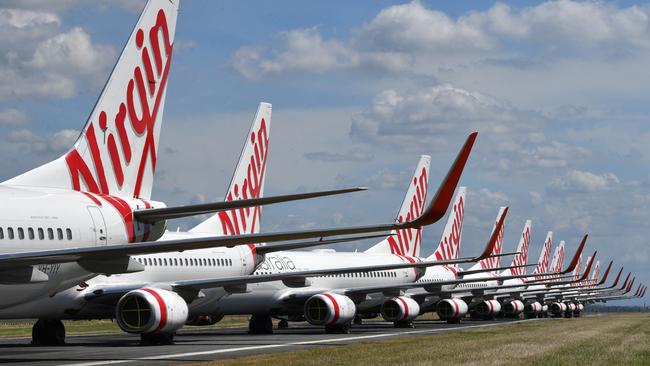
(329, 309)
(451, 310)
(513, 308)
(557, 309)
(532, 309)
(151, 310)
(400, 309)
(487, 308)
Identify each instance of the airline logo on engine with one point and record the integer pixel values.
(407, 241)
(244, 220)
(520, 259)
(449, 247)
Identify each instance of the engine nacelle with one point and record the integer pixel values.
(329, 309)
(533, 308)
(514, 307)
(580, 307)
(570, 306)
(544, 308)
(488, 308)
(400, 309)
(451, 309)
(557, 308)
(151, 310)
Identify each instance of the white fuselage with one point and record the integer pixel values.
(38, 219)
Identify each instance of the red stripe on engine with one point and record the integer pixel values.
(161, 305)
(336, 307)
(406, 308)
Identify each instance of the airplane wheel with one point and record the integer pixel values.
(48, 332)
(260, 324)
(453, 321)
(157, 339)
(283, 324)
(357, 320)
(338, 329)
(406, 324)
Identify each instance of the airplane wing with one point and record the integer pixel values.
(117, 256)
(153, 215)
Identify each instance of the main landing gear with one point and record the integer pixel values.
(338, 329)
(260, 324)
(403, 324)
(157, 339)
(283, 324)
(48, 332)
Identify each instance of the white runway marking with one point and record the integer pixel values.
(283, 345)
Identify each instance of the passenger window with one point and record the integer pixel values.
(164, 261)
(21, 233)
(2, 233)
(214, 262)
(68, 234)
(41, 234)
(50, 233)
(59, 233)
(30, 233)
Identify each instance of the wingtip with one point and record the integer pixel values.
(440, 203)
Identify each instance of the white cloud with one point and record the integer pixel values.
(43, 144)
(11, 116)
(42, 60)
(584, 181)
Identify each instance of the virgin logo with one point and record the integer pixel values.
(449, 246)
(560, 260)
(542, 265)
(520, 259)
(493, 262)
(138, 115)
(408, 240)
(244, 220)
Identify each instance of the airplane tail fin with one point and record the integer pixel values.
(449, 246)
(247, 182)
(596, 273)
(576, 272)
(116, 151)
(558, 258)
(408, 242)
(521, 258)
(493, 262)
(545, 255)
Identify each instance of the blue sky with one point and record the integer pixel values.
(559, 92)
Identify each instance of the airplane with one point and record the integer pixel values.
(112, 296)
(89, 211)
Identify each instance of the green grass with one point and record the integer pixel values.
(21, 329)
(621, 339)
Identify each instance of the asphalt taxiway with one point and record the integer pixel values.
(196, 345)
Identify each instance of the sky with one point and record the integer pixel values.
(559, 92)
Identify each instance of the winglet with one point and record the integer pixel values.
(629, 287)
(588, 269)
(618, 277)
(438, 206)
(576, 257)
(493, 238)
(606, 273)
(626, 279)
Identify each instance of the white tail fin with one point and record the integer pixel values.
(117, 150)
(407, 242)
(449, 246)
(596, 272)
(521, 258)
(247, 182)
(558, 258)
(493, 262)
(545, 255)
(576, 272)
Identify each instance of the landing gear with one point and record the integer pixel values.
(48, 332)
(338, 329)
(260, 324)
(157, 339)
(357, 320)
(283, 324)
(403, 324)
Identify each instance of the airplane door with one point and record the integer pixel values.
(99, 225)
